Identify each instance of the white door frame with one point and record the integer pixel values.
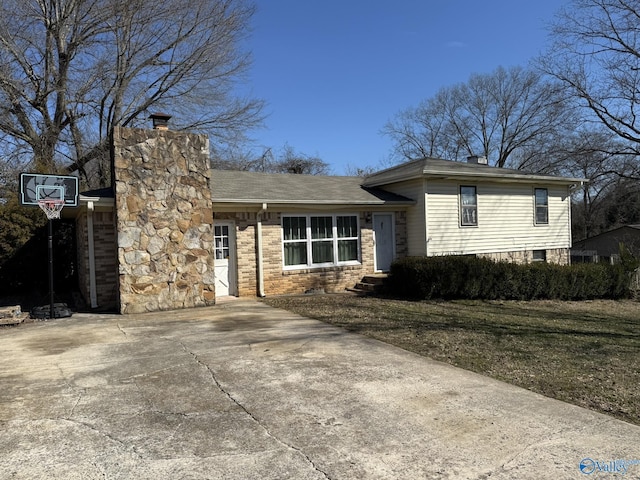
(393, 238)
(232, 259)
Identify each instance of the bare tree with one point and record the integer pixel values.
(238, 157)
(71, 70)
(353, 171)
(591, 154)
(596, 54)
(502, 115)
(426, 130)
(288, 160)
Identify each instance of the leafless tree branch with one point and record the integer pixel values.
(71, 70)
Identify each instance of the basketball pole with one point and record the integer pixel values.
(51, 295)
(51, 193)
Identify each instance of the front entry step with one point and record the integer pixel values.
(369, 284)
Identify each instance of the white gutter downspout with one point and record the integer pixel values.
(93, 296)
(259, 252)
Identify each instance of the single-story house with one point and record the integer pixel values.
(172, 233)
(605, 247)
(285, 233)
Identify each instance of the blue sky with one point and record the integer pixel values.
(333, 72)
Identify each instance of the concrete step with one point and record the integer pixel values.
(375, 279)
(369, 284)
(367, 287)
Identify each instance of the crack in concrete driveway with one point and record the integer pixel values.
(251, 415)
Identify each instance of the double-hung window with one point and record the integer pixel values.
(319, 240)
(468, 206)
(541, 206)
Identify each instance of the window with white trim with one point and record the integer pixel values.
(221, 240)
(468, 206)
(320, 240)
(541, 206)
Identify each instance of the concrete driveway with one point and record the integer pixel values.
(245, 391)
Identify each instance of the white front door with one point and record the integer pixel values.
(383, 237)
(224, 264)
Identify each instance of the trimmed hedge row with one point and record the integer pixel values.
(468, 277)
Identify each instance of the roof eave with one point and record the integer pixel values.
(386, 180)
(107, 201)
(517, 178)
(488, 175)
(308, 203)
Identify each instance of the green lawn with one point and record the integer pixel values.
(586, 353)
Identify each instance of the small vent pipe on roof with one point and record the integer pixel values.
(477, 160)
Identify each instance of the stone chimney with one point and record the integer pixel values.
(160, 121)
(164, 219)
(477, 160)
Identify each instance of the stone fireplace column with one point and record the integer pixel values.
(164, 220)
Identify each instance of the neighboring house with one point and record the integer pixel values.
(605, 247)
(179, 234)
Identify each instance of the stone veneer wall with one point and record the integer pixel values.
(164, 220)
(278, 281)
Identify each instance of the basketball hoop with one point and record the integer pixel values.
(51, 207)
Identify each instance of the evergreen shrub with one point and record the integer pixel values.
(469, 277)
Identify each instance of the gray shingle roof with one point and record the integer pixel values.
(437, 168)
(229, 186)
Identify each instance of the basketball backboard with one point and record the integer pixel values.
(35, 187)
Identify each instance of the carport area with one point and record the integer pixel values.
(244, 391)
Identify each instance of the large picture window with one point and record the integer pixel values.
(319, 240)
(468, 206)
(542, 206)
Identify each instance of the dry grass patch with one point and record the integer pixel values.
(586, 353)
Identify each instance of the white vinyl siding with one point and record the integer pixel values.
(507, 213)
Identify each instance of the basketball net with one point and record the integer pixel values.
(51, 208)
